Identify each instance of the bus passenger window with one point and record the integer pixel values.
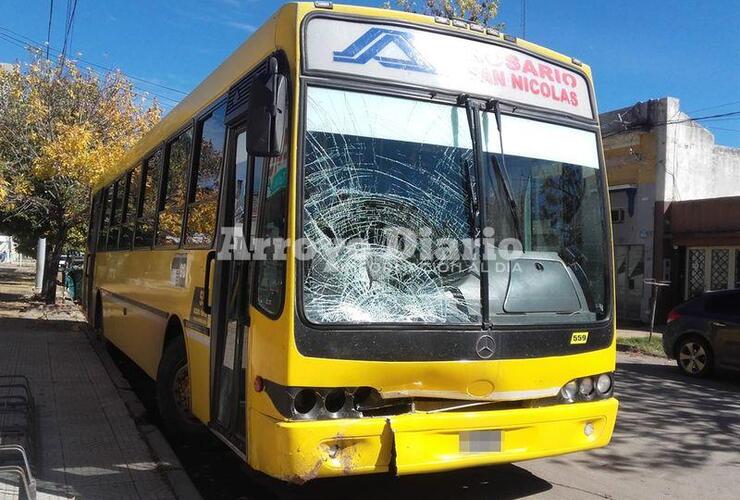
(105, 218)
(148, 207)
(115, 224)
(205, 180)
(130, 209)
(270, 281)
(172, 206)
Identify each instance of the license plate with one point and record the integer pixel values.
(480, 441)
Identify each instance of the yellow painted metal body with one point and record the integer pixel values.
(301, 450)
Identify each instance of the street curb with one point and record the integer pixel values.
(174, 473)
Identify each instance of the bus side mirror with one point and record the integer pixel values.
(266, 114)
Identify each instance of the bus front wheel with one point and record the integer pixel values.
(173, 390)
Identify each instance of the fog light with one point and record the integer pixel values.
(304, 401)
(586, 386)
(604, 383)
(335, 400)
(588, 429)
(568, 392)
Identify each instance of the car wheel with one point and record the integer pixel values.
(694, 356)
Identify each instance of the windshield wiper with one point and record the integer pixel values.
(503, 174)
(469, 187)
(472, 111)
(573, 257)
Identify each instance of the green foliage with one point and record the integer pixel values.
(652, 347)
(477, 11)
(61, 128)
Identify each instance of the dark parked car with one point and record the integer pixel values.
(704, 333)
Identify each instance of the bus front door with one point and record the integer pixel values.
(231, 291)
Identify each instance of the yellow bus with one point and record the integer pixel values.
(370, 242)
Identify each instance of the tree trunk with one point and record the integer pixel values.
(51, 268)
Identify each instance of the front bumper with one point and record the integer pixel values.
(422, 442)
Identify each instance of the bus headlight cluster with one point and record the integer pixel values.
(588, 388)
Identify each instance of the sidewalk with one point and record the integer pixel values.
(87, 442)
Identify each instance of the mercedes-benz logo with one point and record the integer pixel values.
(485, 347)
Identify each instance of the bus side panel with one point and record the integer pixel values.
(137, 302)
(136, 331)
(199, 364)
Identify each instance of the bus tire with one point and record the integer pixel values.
(173, 391)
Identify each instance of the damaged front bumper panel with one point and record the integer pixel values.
(426, 442)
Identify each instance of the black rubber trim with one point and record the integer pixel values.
(405, 344)
(135, 303)
(197, 327)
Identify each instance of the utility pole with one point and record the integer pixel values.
(524, 18)
(40, 263)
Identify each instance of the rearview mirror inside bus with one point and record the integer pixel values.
(266, 115)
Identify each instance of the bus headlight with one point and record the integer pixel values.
(588, 388)
(604, 384)
(568, 392)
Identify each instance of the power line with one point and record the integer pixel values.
(27, 40)
(725, 129)
(38, 49)
(721, 115)
(48, 30)
(714, 107)
(71, 9)
(717, 117)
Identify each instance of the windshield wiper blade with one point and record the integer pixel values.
(503, 174)
(472, 112)
(469, 187)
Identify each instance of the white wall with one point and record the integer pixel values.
(695, 168)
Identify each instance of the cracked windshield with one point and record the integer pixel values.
(391, 216)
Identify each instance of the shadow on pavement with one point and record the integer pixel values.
(499, 482)
(220, 475)
(668, 420)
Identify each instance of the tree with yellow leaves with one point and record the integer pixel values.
(476, 11)
(61, 129)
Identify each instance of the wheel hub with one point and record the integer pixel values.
(693, 357)
(181, 390)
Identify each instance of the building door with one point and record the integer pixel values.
(629, 264)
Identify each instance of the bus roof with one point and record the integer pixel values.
(265, 41)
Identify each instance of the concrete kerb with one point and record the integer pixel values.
(175, 474)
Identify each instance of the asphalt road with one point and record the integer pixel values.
(675, 437)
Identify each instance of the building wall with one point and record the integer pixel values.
(696, 168)
(8, 251)
(654, 149)
(631, 160)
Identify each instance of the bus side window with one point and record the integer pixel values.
(102, 207)
(144, 236)
(115, 223)
(172, 205)
(105, 224)
(130, 209)
(205, 180)
(270, 273)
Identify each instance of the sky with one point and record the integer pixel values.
(638, 49)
